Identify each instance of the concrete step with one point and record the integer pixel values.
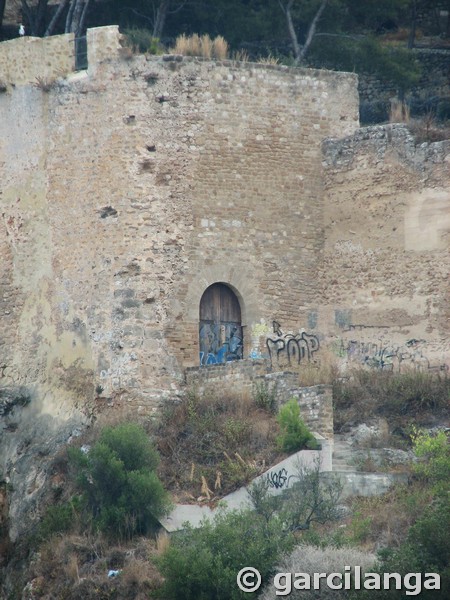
(343, 456)
(343, 469)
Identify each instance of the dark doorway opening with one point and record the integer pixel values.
(220, 328)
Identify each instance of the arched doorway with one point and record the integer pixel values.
(220, 328)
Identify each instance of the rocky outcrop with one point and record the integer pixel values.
(30, 438)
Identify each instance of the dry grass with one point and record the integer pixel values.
(402, 398)
(71, 571)
(46, 84)
(399, 112)
(220, 48)
(382, 521)
(268, 60)
(213, 443)
(162, 543)
(203, 46)
(427, 130)
(241, 56)
(206, 45)
(315, 373)
(311, 559)
(424, 129)
(75, 567)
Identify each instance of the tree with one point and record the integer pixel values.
(121, 488)
(427, 10)
(54, 21)
(76, 16)
(36, 16)
(301, 50)
(2, 12)
(202, 563)
(155, 12)
(312, 498)
(35, 13)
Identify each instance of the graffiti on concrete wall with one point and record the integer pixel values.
(388, 357)
(278, 479)
(296, 348)
(220, 343)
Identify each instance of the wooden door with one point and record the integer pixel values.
(220, 326)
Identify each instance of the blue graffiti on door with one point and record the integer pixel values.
(220, 343)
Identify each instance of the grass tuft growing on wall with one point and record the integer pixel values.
(204, 46)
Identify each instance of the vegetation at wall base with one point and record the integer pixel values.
(220, 439)
(426, 546)
(294, 433)
(406, 398)
(202, 563)
(142, 41)
(122, 492)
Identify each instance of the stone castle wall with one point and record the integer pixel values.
(386, 257)
(26, 60)
(247, 376)
(130, 188)
(41, 61)
(135, 186)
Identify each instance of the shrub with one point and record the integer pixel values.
(141, 40)
(59, 518)
(310, 498)
(294, 433)
(367, 55)
(402, 397)
(426, 550)
(121, 489)
(434, 452)
(202, 564)
(265, 397)
(442, 109)
(310, 559)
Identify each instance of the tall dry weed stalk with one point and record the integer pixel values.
(162, 543)
(399, 112)
(220, 48)
(268, 60)
(241, 56)
(203, 46)
(71, 569)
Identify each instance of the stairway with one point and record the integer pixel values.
(343, 456)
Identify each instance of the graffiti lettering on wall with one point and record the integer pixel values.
(278, 479)
(296, 348)
(389, 357)
(220, 343)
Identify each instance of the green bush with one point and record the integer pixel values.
(122, 491)
(426, 550)
(294, 433)
(434, 459)
(264, 396)
(202, 564)
(59, 518)
(367, 55)
(141, 40)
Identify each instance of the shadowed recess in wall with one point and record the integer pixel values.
(220, 329)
